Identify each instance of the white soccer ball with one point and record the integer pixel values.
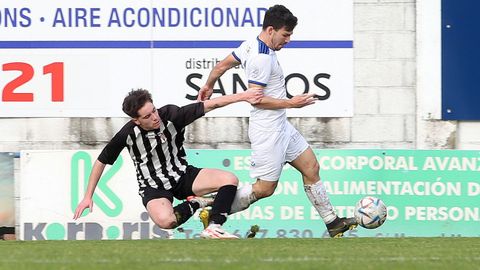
(370, 212)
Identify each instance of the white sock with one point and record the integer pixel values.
(317, 195)
(243, 198)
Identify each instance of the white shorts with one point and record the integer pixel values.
(272, 149)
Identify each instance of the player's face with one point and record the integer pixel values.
(280, 38)
(148, 118)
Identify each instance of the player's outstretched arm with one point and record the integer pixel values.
(206, 91)
(251, 95)
(298, 101)
(270, 103)
(87, 201)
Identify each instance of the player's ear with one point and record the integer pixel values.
(135, 120)
(270, 29)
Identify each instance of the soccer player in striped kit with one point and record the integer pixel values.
(154, 138)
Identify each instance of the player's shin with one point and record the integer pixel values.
(243, 199)
(318, 196)
(184, 211)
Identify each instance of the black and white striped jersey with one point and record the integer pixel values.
(158, 155)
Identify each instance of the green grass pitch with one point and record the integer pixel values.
(251, 254)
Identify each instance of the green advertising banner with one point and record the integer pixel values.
(428, 192)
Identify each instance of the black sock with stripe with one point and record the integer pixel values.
(184, 211)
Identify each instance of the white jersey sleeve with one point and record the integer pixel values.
(259, 70)
(258, 66)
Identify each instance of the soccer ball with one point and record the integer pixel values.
(370, 212)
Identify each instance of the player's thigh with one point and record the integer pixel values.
(210, 180)
(306, 163)
(161, 212)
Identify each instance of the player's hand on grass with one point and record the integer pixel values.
(253, 95)
(204, 93)
(84, 204)
(303, 100)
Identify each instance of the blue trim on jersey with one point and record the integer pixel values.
(258, 83)
(262, 47)
(236, 57)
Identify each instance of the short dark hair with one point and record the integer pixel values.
(135, 100)
(279, 16)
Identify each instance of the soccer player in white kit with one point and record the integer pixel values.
(274, 140)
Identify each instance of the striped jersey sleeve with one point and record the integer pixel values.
(112, 150)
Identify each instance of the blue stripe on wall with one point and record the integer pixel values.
(160, 44)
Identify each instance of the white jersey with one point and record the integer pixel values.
(262, 68)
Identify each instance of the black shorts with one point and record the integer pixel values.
(181, 190)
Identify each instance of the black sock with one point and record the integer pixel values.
(333, 223)
(184, 211)
(222, 204)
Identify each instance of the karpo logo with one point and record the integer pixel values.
(82, 160)
(109, 203)
(81, 165)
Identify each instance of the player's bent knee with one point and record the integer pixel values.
(312, 174)
(165, 221)
(312, 171)
(263, 189)
(166, 224)
(316, 168)
(231, 179)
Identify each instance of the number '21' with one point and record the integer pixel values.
(27, 72)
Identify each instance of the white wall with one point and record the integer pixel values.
(390, 105)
